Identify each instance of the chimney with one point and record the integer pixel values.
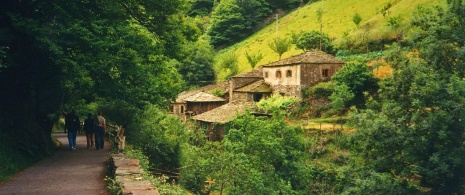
(231, 88)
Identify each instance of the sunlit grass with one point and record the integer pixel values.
(337, 19)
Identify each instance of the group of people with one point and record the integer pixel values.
(92, 126)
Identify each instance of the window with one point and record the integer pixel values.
(257, 97)
(289, 73)
(278, 74)
(325, 73)
(182, 109)
(266, 74)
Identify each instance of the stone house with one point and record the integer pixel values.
(286, 77)
(248, 87)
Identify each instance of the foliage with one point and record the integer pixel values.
(324, 89)
(357, 77)
(357, 19)
(346, 56)
(257, 156)
(196, 64)
(385, 8)
(253, 58)
(13, 158)
(227, 24)
(416, 135)
(280, 45)
(218, 92)
(113, 186)
(376, 183)
(311, 40)
(201, 7)
(84, 55)
(276, 104)
(159, 136)
(234, 20)
(164, 185)
(340, 97)
(229, 64)
(394, 21)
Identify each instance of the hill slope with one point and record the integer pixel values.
(337, 19)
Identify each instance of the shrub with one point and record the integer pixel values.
(159, 136)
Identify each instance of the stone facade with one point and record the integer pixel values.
(286, 90)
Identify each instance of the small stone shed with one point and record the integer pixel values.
(215, 121)
(197, 101)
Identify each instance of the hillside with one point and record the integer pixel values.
(337, 20)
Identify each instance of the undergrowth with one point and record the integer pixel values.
(12, 160)
(164, 185)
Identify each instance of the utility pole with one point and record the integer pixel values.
(319, 15)
(277, 28)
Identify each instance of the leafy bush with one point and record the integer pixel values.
(257, 156)
(159, 136)
(311, 40)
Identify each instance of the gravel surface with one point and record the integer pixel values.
(81, 171)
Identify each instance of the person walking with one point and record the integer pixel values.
(100, 129)
(89, 129)
(72, 124)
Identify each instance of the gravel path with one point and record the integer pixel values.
(67, 172)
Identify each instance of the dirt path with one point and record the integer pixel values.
(67, 172)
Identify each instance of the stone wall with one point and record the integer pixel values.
(242, 97)
(128, 174)
(286, 90)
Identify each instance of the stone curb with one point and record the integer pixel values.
(128, 174)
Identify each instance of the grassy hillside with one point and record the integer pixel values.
(337, 19)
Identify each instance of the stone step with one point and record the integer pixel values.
(139, 187)
(128, 170)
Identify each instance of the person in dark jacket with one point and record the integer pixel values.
(89, 129)
(72, 124)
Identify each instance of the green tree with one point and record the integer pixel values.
(83, 55)
(200, 7)
(159, 136)
(394, 21)
(340, 97)
(196, 65)
(311, 40)
(357, 19)
(257, 156)
(253, 59)
(357, 77)
(229, 63)
(280, 45)
(233, 20)
(418, 130)
(228, 24)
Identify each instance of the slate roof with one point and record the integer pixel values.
(224, 87)
(309, 57)
(256, 87)
(203, 97)
(257, 73)
(225, 113)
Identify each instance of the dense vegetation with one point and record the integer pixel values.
(130, 58)
(64, 55)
